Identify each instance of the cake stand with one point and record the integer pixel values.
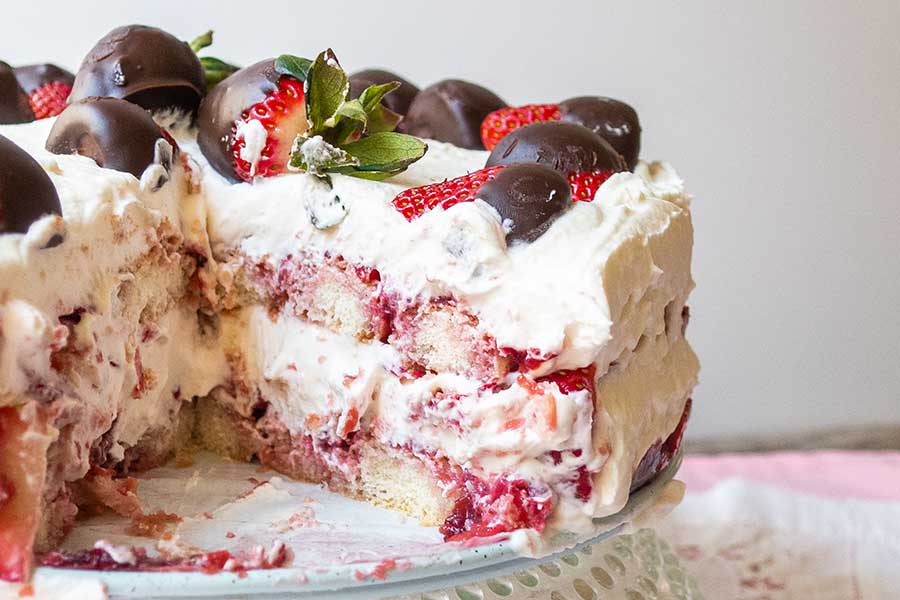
(341, 555)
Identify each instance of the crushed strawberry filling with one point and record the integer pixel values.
(525, 360)
(98, 559)
(582, 478)
(504, 505)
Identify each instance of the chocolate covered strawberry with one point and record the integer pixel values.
(500, 123)
(291, 113)
(613, 120)
(50, 99)
(527, 197)
(48, 87)
(546, 166)
(582, 156)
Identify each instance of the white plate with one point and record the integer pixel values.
(339, 545)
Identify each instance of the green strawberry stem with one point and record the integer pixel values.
(201, 41)
(214, 69)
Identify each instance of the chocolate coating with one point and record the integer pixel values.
(14, 104)
(611, 119)
(531, 196)
(26, 192)
(451, 111)
(31, 77)
(397, 101)
(223, 106)
(115, 133)
(144, 65)
(565, 147)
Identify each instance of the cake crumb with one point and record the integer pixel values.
(153, 525)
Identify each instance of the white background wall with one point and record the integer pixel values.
(783, 117)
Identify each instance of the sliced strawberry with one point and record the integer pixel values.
(282, 113)
(415, 202)
(49, 99)
(585, 185)
(24, 439)
(501, 122)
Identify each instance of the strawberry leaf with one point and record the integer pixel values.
(373, 95)
(380, 118)
(352, 109)
(349, 123)
(294, 66)
(386, 151)
(327, 87)
(214, 69)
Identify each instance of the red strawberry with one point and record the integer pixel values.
(501, 122)
(283, 115)
(415, 202)
(248, 122)
(574, 380)
(585, 184)
(49, 99)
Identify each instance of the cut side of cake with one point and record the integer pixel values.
(491, 342)
(466, 359)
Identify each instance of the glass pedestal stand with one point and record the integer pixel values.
(638, 566)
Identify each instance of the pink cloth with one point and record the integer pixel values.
(835, 474)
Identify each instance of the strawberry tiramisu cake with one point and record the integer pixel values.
(427, 299)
